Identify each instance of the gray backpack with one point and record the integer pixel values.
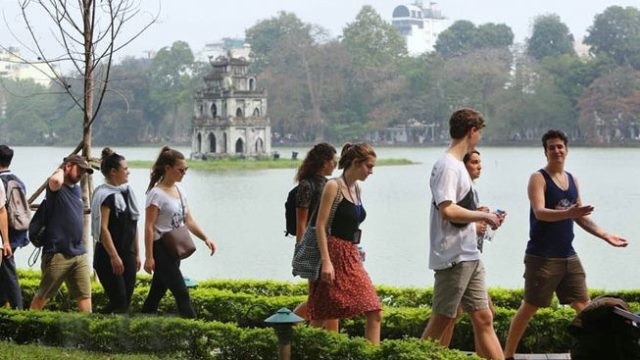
(18, 211)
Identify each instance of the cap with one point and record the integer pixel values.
(80, 161)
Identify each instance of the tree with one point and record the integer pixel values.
(371, 41)
(463, 37)
(616, 33)
(550, 37)
(610, 106)
(87, 33)
(171, 83)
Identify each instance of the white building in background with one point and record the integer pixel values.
(419, 26)
(236, 48)
(13, 66)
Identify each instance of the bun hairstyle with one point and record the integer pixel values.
(167, 157)
(354, 153)
(109, 160)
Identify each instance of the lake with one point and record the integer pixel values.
(243, 211)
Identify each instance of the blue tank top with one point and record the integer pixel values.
(553, 239)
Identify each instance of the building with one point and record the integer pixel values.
(230, 115)
(14, 67)
(419, 26)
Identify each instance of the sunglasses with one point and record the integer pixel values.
(183, 170)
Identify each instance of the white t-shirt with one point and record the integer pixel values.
(450, 181)
(170, 214)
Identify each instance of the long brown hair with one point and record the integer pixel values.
(168, 156)
(315, 160)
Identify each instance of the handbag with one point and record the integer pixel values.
(178, 241)
(306, 255)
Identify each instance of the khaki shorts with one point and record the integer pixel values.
(544, 276)
(74, 271)
(463, 284)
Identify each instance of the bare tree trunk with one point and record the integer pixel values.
(87, 183)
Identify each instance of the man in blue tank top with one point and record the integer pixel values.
(551, 263)
(64, 257)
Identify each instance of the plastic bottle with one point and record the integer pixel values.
(362, 253)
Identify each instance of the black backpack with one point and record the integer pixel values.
(290, 212)
(600, 333)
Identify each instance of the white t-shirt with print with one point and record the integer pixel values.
(169, 210)
(450, 181)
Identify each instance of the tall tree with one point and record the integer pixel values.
(463, 37)
(550, 37)
(616, 33)
(171, 85)
(371, 41)
(87, 33)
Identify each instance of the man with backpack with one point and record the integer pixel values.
(17, 221)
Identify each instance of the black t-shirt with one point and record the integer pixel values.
(121, 226)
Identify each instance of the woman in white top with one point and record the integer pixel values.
(167, 209)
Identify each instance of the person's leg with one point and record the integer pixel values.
(573, 287)
(168, 270)
(129, 278)
(436, 327)
(476, 301)
(447, 335)
(53, 268)
(10, 284)
(78, 282)
(518, 325)
(301, 310)
(448, 289)
(484, 335)
(111, 283)
(372, 326)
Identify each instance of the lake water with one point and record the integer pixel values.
(243, 211)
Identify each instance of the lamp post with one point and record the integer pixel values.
(283, 321)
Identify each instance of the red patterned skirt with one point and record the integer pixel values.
(350, 294)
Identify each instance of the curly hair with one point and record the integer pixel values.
(315, 160)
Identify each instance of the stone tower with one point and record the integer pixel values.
(230, 114)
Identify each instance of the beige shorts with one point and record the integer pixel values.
(544, 276)
(74, 271)
(463, 284)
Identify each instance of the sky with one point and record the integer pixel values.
(205, 21)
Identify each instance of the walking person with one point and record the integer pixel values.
(114, 219)
(9, 284)
(473, 164)
(551, 262)
(454, 255)
(344, 289)
(167, 209)
(312, 174)
(64, 256)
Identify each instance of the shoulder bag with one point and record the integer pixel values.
(178, 241)
(306, 256)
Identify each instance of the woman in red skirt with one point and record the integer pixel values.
(344, 289)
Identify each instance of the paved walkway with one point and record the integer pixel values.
(542, 357)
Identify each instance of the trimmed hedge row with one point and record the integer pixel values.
(175, 338)
(246, 303)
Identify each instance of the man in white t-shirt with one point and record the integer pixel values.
(454, 254)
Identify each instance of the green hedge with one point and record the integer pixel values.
(246, 303)
(172, 337)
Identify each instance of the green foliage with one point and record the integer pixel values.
(616, 33)
(550, 37)
(463, 37)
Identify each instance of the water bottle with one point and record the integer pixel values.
(361, 252)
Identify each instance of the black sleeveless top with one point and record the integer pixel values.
(347, 219)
